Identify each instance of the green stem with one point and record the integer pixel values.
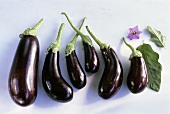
(81, 26)
(58, 39)
(85, 38)
(32, 31)
(102, 45)
(77, 30)
(37, 26)
(135, 53)
(132, 48)
(71, 46)
(55, 46)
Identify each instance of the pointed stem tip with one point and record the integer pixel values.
(58, 39)
(37, 26)
(32, 31)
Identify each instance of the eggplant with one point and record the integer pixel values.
(92, 62)
(74, 68)
(112, 76)
(22, 83)
(75, 71)
(137, 78)
(53, 82)
(91, 58)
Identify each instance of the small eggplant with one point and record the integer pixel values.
(22, 83)
(75, 71)
(112, 76)
(92, 62)
(137, 78)
(53, 82)
(91, 58)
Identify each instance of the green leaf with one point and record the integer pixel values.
(154, 68)
(156, 37)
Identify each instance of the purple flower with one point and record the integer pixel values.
(134, 33)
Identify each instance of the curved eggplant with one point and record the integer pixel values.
(75, 71)
(91, 58)
(92, 62)
(112, 76)
(22, 83)
(137, 78)
(53, 82)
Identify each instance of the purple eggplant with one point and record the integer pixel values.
(75, 71)
(112, 76)
(53, 82)
(91, 58)
(22, 83)
(92, 62)
(137, 78)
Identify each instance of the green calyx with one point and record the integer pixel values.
(135, 53)
(85, 38)
(55, 46)
(32, 31)
(71, 46)
(102, 45)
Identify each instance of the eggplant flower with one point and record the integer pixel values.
(134, 33)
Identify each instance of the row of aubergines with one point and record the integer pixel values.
(23, 74)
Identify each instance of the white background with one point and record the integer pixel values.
(109, 20)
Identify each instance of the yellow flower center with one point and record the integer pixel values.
(134, 32)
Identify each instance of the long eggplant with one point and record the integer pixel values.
(53, 82)
(22, 82)
(112, 76)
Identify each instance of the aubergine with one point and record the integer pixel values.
(75, 71)
(137, 78)
(74, 68)
(22, 83)
(92, 62)
(112, 76)
(53, 82)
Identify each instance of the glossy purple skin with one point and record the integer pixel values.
(92, 62)
(75, 71)
(112, 77)
(138, 77)
(53, 82)
(22, 82)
